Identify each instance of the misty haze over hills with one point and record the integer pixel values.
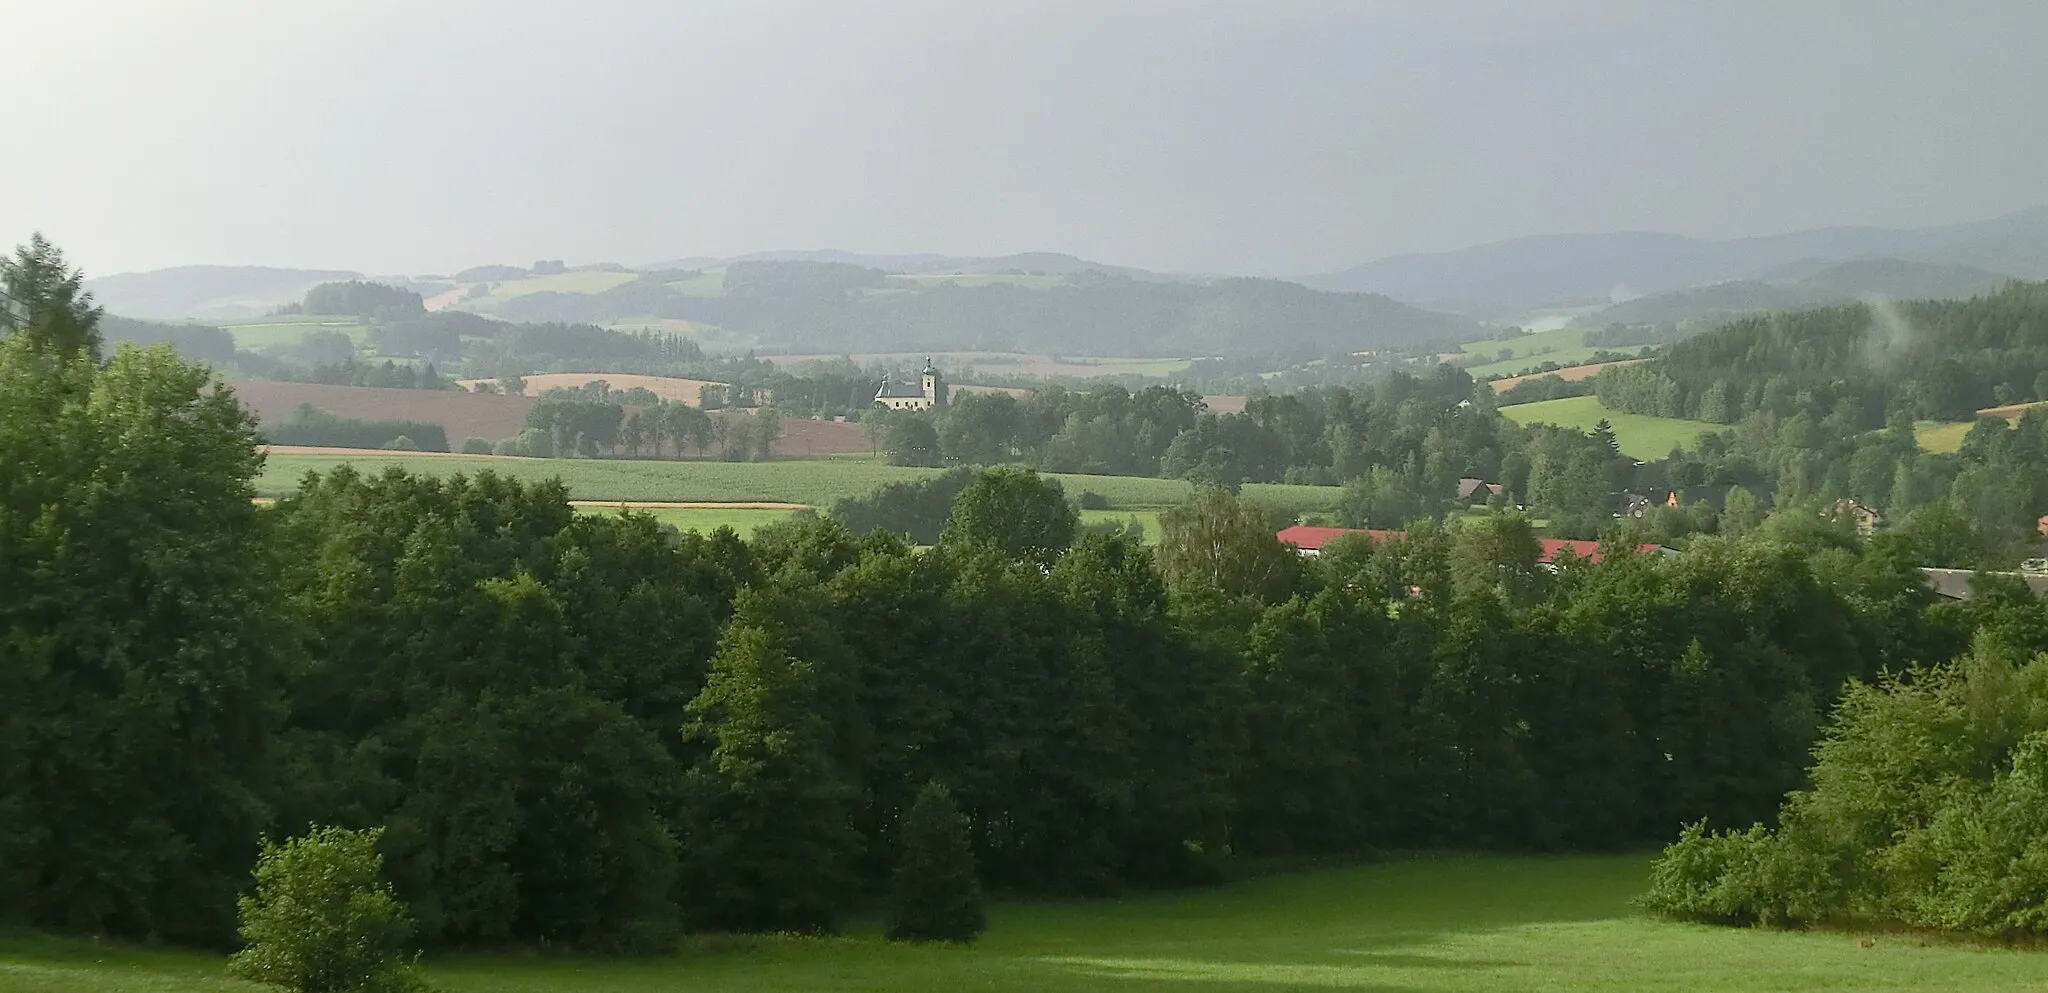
(1507, 277)
(1044, 301)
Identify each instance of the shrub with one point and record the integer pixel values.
(476, 446)
(401, 444)
(1091, 500)
(322, 919)
(934, 895)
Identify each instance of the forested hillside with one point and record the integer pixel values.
(596, 731)
(834, 307)
(1940, 359)
(1844, 283)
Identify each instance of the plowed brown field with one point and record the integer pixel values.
(463, 414)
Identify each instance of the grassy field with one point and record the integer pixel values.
(1947, 436)
(709, 283)
(587, 281)
(269, 332)
(1562, 346)
(816, 482)
(1638, 435)
(1450, 925)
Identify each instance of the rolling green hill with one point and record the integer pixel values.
(1638, 436)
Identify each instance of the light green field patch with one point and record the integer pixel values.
(706, 519)
(815, 482)
(1448, 925)
(585, 281)
(1040, 282)
(709, 283)
(1564, 346)
(272, 332)
(1941, 437)
(1638, 435)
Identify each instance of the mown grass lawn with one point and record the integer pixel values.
(816, 482)
(1639, 436)
(1449, 925)
(743, 520)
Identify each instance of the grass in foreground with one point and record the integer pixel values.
(816, 482)
(1639, 435)
(1449, 925)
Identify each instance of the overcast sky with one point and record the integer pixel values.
(1262, 136)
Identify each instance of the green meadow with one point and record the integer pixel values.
(1564, 346)
(582, 281)
(815, 482)
(271, 332)
(1640, 436)
(1476, 924)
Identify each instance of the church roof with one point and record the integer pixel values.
(900, 390)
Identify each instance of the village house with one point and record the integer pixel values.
(1309, 541)
(928, 394)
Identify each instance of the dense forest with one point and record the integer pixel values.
(598, 731)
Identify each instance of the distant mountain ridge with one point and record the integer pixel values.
(1845, 282)
(207, 291)
(926, 263)
(1540, 271)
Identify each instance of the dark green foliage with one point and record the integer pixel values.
(1929, 808)
(363, 299)
(42, 299)
(141, 644)
(917, 509)
(309, 425)
(1016, 512)
(323, 920)
(195, 343)
(934, 894)
(770, 841)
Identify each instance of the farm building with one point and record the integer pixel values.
(1310, 541)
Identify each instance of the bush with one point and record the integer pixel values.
(476, 446)
(934, 895)
(401, 444)
(322, 919)
(1091, 500)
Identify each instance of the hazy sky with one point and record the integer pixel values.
(1256, 136)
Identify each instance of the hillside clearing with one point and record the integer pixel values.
(582, 281)
(278, 332)
(1943, 437)
(816, 482)
(1570, 374)
(1563, 346)
(1444, 925)
(1639, 436)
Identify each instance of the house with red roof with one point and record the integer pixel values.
(1310, 541)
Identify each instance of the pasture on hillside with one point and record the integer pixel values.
(1563, 346)
(584, 281)
(1462, 924)
(274, 332)
(815, 482)
(1943, 437)
(1570, 374)
(1639, 436)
